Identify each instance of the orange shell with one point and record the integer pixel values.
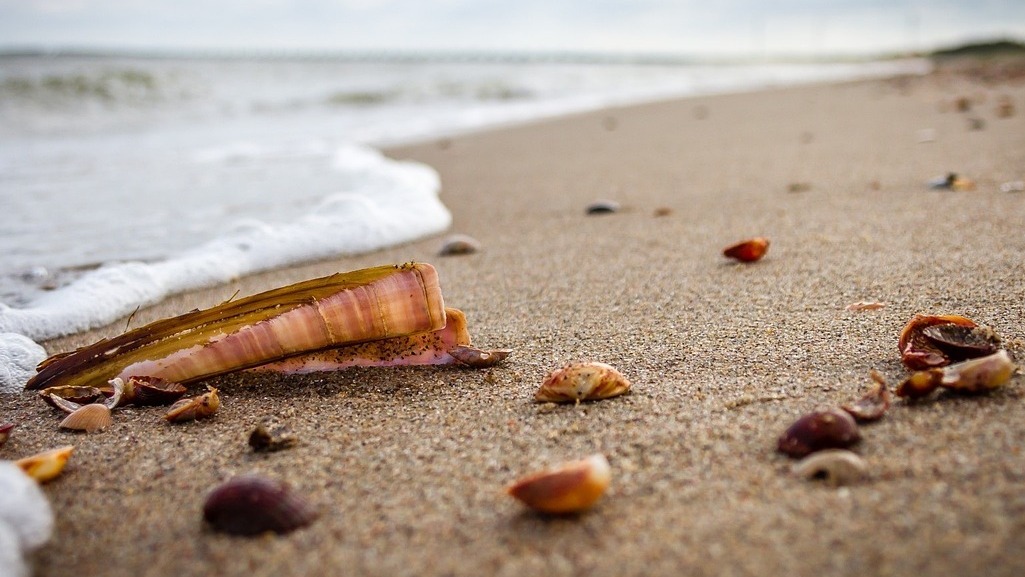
(570, 488)
(750, 250)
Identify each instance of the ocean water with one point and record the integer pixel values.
(126, 179)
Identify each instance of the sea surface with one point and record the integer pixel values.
(126, 179)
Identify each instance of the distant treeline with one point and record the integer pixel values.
(992, 48)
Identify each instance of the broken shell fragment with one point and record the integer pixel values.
(977, 375)
(251, 504)
(917, 350)
(459, 244)
(272, 435)
(952, 181)
(5, 432)
(818, 430)
(865, 306)
(582, 382)
(142, 390)
(834, 466)
(570, 488)
(874, 404)
(88, 418)
(750, 250)
(200, 407)
(46, 466)
(961, 342)
(919, 384)
(74, 394)
(477, 358)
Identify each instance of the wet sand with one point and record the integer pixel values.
(407, 465)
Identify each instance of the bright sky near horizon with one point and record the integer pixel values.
(695, 27)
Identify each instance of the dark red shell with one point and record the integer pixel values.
(251, 504)
(825, 429)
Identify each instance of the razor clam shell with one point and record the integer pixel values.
(149, 391)
(345, 308)
(429, 348)
(88, 418)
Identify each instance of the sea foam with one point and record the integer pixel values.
(382, 202)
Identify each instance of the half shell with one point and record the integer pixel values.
(88, 418)
(570, 488)
(250, 505)
(582, 382)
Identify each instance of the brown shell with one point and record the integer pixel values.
(919, 384)
(582, 382)
(88, 418)
(477, 358)
(874, 403)
(459, 244)
(750, 250)
(200, 407)
(818, 430)
(251, 504)
(961, 342)
(918, 351)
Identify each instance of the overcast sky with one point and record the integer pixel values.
(698, 27)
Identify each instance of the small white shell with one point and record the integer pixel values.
(582, 382)
(88, 418)
(835, 466)
(979, 375)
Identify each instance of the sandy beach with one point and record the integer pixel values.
(407, 465)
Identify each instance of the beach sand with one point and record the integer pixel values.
(407, 465)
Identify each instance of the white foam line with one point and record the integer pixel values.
(390, 202)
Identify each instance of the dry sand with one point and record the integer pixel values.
(407, 464)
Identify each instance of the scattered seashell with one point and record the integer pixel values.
(476, 358)
(750, 250)
(61, 403)
(200, 407)
(46, 466)
(834, 466)
(603, 207)
(458, 244)
(570, 488)
(963, 104)
(79, 395)
(799, 187)
(961, 342)
(917, 350)
(865, 306)
(582, 382)
(951, 182)
(251, 504)
(663, 211)
(142, 390)
(919, 384)
(88, 418)
(874, 404)
(979, 375)
(1013, 186)
(272, 435)
(5, 432)
(818, 430)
